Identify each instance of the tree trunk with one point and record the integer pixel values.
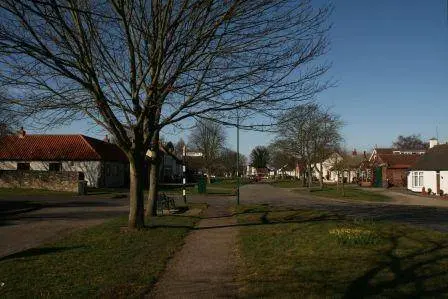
(310, 176)
(321, 176)
(136, 195)
(208, 175)
(151, 207)
(153, 192)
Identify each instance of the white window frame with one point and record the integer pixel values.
(417, 179)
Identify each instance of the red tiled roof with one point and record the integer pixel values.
(399, 160)
(58, 148)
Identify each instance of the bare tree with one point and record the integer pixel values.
(228, 159)
(8, 119)
(310, 134)
(410, 142)
(209, 138)
(135, 67)
(259, 157)
(280, 159)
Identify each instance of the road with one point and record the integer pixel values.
(24, 224)
(29, 221)
(435, 216)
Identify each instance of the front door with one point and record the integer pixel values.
(378, 177)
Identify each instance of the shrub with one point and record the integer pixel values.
(429, 191)
(441, 192)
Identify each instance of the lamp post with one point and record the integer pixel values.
(237, 157)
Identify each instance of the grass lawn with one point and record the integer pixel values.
(103, 261)
(351, 192)
(297, 254)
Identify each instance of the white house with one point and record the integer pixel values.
(430, 171)
(100, 163)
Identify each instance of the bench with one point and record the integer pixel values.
(165, 202)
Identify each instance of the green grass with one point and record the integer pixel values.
(104, 261)
(293, 254)
(352, 193)
(32, 192)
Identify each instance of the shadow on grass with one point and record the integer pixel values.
(38, 251)
(411, 273)
(407, 263)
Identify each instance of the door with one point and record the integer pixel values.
(378, 177)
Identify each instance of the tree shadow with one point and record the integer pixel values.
(411, 273)
(37, 252)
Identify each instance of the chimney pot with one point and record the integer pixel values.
(22, 133)
(433, 142)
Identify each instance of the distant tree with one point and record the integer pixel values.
(310, 134)
(179, 147)
(8, 117)
(227, 162)
(410, 142)
(209, 138)
(280, 159)
(259, 157)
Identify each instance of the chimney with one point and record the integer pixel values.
(433, 142)
(22, 133)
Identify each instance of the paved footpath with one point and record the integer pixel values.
(205, 267)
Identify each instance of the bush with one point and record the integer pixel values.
(429, 191)
(441, 192)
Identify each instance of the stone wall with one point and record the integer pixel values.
(49, 180)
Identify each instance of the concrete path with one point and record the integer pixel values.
(206, 265)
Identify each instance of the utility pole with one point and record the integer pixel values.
(237, 157)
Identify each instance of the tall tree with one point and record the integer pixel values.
(209, 138)
(228, 159)
(310, 134)
(259, 157)
(410, 142)
(135, 67)
(8, 119)
(280, 159)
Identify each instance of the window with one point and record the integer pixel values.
(55, 167)
(417, 179)
(23, 166)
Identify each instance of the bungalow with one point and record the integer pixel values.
(430, 171)
(390, 166)
(100, 163)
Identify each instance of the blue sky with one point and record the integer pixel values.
(390, 62)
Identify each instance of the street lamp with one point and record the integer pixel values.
(237, 157)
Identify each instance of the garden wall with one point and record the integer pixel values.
(49, 180)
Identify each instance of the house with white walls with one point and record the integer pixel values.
(99, 162)
(430, 171)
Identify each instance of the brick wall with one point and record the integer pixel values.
(49, 180)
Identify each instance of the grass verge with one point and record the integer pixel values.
(352, 193)
(297, 254)
(103, 261)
